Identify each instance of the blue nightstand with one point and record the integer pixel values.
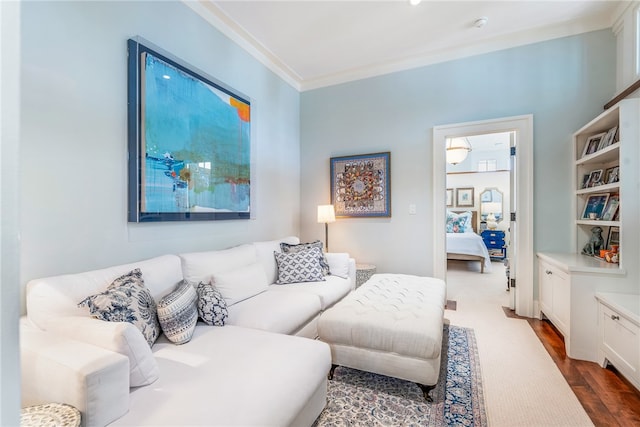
(494, 240)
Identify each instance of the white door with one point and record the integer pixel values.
(512, 244)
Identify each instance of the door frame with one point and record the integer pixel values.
(523, 126)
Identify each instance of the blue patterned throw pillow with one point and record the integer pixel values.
(212, 307)
(289, 249)
(459, 223)
(178, 314)
(300, 266)
(127, 299)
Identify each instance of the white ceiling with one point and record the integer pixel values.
(312, 43)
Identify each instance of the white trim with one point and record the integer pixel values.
(523, 125)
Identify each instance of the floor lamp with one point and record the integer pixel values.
(326, 214)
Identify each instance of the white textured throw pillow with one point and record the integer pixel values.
(339, 263)
(301, 266)
(241, 283)
(178, 314)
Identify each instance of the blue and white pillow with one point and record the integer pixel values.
(459, 223)
(178, 314)
(127, 299)
(299, 266)
(212, 307)
(289, 248)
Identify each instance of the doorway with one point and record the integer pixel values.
(521, 265)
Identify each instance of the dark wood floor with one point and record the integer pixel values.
(608, 398)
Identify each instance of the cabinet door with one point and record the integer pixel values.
(561, 300)
(546, 291)
(620, 340)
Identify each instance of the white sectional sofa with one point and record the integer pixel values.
(264, 367)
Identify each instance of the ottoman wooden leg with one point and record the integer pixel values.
(333, 368)
(425, 391)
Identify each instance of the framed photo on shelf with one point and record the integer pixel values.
(611, 209)
(585, 180)
(449, 197)
(613, 238)
(594, 206)
(611, 175)
(609, 138)
(595, 178)
(592, 144)
(464, 197)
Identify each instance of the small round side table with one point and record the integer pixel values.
(364, 272)
(50, 415)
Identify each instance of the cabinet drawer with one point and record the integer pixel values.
(493, 234)
(494, 244)
(621, 339)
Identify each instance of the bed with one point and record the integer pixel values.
(468, 246)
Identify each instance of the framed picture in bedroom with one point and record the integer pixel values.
(611, 209)
(189, 140)
(449, 197)
(464, 197)
(613, 238)
(361, 185)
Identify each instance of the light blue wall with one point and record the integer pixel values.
(73, 157)
(564, 83)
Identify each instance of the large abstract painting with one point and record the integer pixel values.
(361, 185)
(189, 142)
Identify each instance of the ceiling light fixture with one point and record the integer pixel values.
(457, 150)
(414, 2)
(481, 22)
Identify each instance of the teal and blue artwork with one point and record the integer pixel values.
(191, 143)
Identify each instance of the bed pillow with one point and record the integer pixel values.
(178, 314)
(127, 299)
(459, 223)
(300, 266)
(324, 264)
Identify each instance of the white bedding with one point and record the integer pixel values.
(468, 244)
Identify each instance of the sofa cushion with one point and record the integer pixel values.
(213, 364)
(265, 252)
(178, 314)
(275, 311)
(287, 249)
(200, 266)
(241, 283)
(212, 308)
(332, 290)
(126, 300)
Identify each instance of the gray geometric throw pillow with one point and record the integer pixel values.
(300, 266)
(289, 249)
(212, 308)
(127, 299)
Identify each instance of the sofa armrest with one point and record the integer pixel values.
(352, 272)
(56, 369)
(342, 265)
(118, 337)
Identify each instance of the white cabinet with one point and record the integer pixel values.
(619, 333)
(555, 296)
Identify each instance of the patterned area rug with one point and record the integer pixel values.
(357, 398)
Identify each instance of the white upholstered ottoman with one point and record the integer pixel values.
(391, 325)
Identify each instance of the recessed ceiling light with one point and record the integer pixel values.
(414, 2)
(481, 22)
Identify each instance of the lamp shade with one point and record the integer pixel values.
(457, 150)
(326, 214)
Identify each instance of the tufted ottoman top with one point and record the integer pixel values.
(396, 313)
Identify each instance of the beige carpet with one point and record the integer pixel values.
(523, 386)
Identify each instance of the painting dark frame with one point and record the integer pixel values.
(135, 101)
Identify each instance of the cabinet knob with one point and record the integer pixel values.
(548, 271)
(614, 317)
